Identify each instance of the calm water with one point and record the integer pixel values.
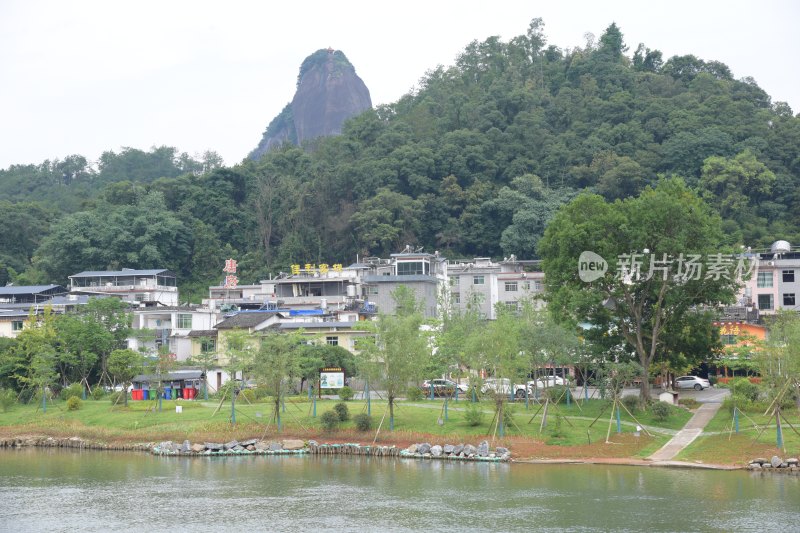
(57, 490)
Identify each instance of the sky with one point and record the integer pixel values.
(88, 76)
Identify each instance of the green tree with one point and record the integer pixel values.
(668, 221)
(37, 346)
(736, 185)
(124, 365)
(81, 338)
(275, 363)
(495, 347)
(395, 355)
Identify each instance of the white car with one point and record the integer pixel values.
(502, 386)
(547, 381)
(692, 382)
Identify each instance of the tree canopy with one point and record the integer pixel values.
(473, 162)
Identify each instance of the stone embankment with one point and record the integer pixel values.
(776, 464)
(70, 442)
(454, 452)
(463, 452)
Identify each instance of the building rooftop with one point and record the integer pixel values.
(245, 319)
(12, 290)
(123, 272)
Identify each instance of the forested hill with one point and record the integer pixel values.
(473, 162)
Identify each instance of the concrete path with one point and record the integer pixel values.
(692, 429)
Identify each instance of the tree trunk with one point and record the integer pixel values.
(391, 413)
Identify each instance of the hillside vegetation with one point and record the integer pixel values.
(474, 161)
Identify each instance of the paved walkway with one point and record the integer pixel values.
(692, 429)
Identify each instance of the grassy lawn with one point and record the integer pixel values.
(567, 428)
(722, 444)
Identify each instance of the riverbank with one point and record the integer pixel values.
(568, 435)
(324, 448)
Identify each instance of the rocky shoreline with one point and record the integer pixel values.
(457, 452)
(460, 452)
(776, 464)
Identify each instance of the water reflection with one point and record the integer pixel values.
(60, 490)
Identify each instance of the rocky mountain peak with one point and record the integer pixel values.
(328, 92)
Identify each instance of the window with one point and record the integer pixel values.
(512, 306)
(537, 286)
(184, 321)
(208, 345)
(526, 285)
(453, 281)
(477, 280)
(788, 276)
(412, 268)
(764, 301)
(728, 339)
(788, 299)
(372, 290)
(764, 280)
(17, 325)
(511, 286)
(332, 341)
(456, 297)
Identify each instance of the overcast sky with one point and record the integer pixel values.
(83, 77)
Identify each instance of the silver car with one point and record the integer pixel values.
(692, 382)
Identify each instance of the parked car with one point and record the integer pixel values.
(691, 382)
(502, 386)
(547, 381)
(443, 387)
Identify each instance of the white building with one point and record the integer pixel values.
(485, 283)
(147, 288)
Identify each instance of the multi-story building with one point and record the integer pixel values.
(146, 288)
(775, 283)
(170, 327)
(425, 274)
(484, 283)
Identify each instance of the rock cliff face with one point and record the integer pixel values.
(328, 93)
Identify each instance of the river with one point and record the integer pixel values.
(46, 490)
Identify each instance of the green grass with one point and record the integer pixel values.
(141, 421)
(721, 443)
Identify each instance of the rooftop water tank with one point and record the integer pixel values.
(780, 247)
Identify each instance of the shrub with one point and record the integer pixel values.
(631, 403)
(790, 397)
(689, 403)
(7, 399)
(555, 430)
(414, 394)
(345, 393)
(248, 395)
(660, 410)
(508, 417)
(329, 420)
(98, 393)
(116, 398)
(739, 402)
(473, 415)
(260, 392)
(74, 403)
(73, 391)
(713, 380)
(743, 387)
(363, 422)
(342, 411)
(557, 393)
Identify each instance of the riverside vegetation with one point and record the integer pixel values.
(567, 433)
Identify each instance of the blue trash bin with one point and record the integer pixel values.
(145, 394)
(167, 393)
